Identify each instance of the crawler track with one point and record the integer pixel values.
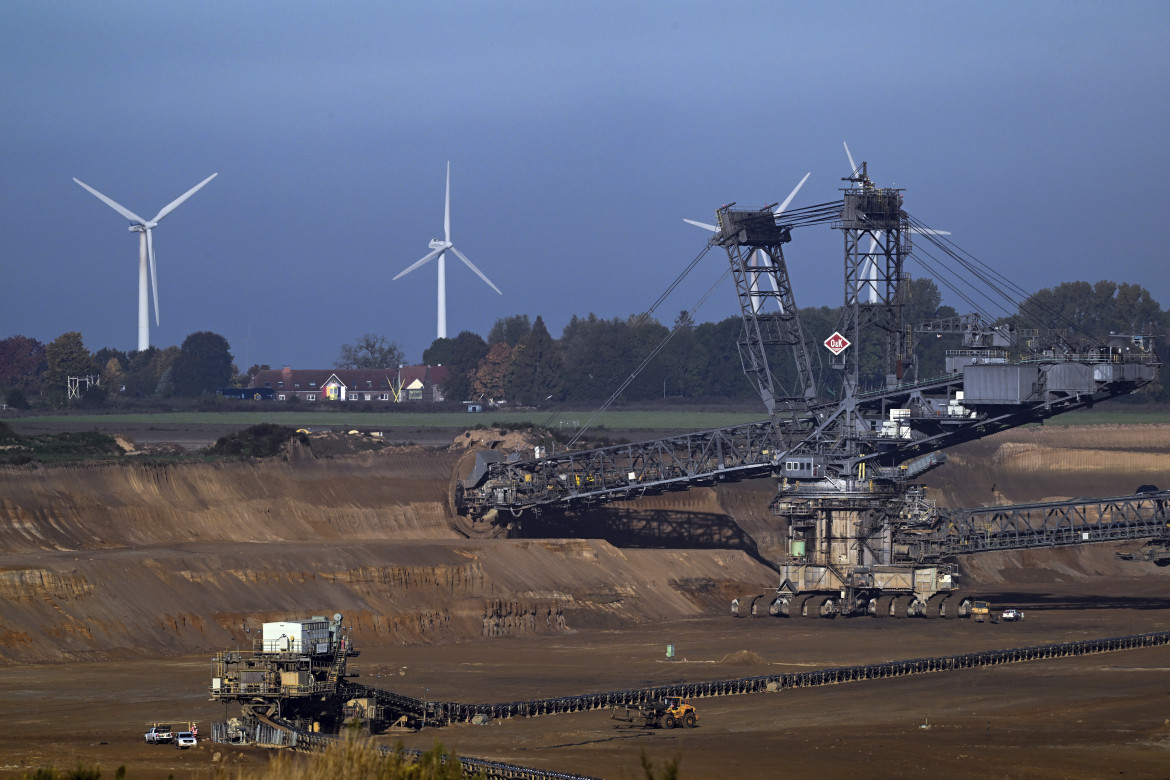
(434, 713)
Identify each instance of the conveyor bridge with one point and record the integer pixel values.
(1046, 524)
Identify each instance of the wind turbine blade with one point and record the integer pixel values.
(174, 204)
(703, 225)
(871, 271)
(118, 207)
(478, 272)
(780, 209)
(929, 232)
(852, 165)
(430, 256)
(447, 208)
(153, 272)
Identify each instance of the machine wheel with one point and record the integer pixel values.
(902, 605)
(934, 605)
(813, 606)
(758, 605)
(796, 605)
(668, 721)
(950, 607)
(820, 607)
(884, 607)
(780, 607)
(689, 720)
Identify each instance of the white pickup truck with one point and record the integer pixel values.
(159, 734)
(1010, 615)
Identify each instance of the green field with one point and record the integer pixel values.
(619, 420)
(650, 420)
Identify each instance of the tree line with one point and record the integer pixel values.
(30, 369)
(521, 363)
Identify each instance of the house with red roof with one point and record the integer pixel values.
(387, 385)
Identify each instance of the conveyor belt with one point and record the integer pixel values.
(437, 713)
(274, 731)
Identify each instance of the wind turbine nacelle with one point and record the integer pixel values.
(437, 244)
(140, 228)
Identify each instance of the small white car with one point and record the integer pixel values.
(1011, 614)
(185, 739)
(158, 735)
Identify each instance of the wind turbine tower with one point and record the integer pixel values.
(439, 249)
(143, 228)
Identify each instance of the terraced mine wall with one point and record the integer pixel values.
(140, 559)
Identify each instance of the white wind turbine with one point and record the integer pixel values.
(439, 250)
(145, 251)
(760, 261)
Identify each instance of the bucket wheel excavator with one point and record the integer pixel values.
(862, 537)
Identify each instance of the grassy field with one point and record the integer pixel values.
(619, 420)
(651, 420)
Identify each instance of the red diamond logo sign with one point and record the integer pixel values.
(837, 343)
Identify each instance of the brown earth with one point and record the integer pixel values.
(117, 582)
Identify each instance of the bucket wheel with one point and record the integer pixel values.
(486, 527)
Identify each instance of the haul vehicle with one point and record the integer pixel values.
(664, 713)
(159, 733)
(980, 611)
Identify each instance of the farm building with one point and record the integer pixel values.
(408, 383)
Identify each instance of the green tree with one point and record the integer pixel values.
(204, 363)
(16, 398)
(370, 351)
(103, 355)
(112, 375)
(512, 330)
(146, 369)
(538, 370)
(684, 360)
(66, 357)
(22, 362)
(489, 378)
(600, 355)
(923, 303)
(594, 353)
(439, 353)
(468, 349)
(723, 375)
(1079, 310)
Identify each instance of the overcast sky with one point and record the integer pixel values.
(579, 136)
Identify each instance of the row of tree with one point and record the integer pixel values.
(29, 368)
(522, 363)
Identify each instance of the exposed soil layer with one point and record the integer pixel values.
(117, 582)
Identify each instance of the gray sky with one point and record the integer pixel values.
(579, 135)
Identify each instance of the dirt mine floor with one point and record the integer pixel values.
(117, 583)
